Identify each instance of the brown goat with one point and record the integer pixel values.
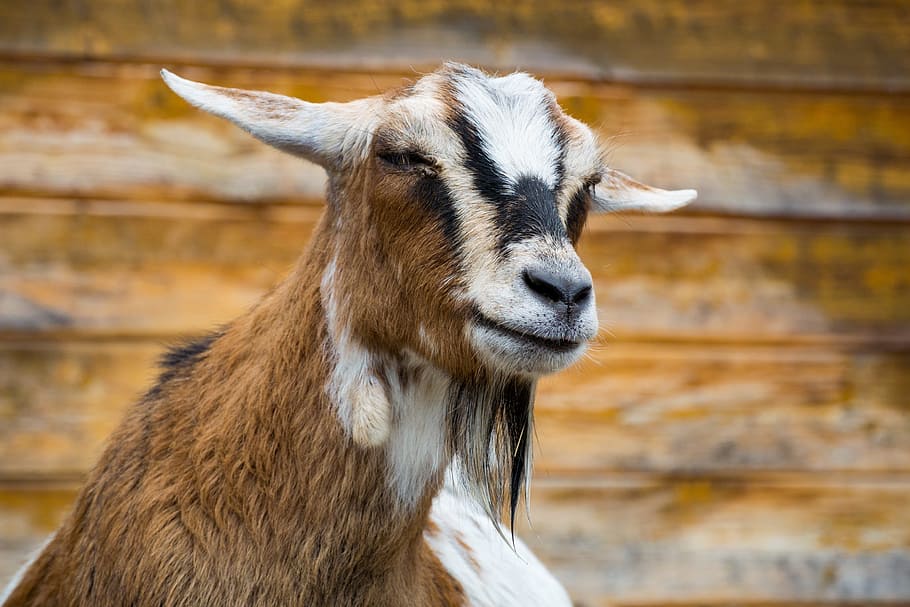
(353, 439)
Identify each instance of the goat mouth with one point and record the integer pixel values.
(553, 344)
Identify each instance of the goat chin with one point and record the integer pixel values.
(511, 353)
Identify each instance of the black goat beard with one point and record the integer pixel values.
(490, 435)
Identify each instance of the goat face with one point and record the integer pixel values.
(502, 179)
(457, 203)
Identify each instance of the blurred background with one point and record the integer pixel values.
(740, 435)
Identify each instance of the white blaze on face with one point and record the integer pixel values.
(512, 114)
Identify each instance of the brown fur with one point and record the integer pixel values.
(391, 277)
(233, 483)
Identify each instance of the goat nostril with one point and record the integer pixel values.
(582, 295)
(541, 283)
(557, 288)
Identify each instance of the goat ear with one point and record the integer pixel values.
(619, 192)
(315, 131)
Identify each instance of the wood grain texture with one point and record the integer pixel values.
(772, 42)
(115, 131)
(59, 402)
(659, 542)
(669, 409)
(758, 280)
(727, 410)
(748, 603)
(118, 268)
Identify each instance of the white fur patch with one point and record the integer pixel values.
(491, 573)
(370, 409)
(583, 160)
(512, 116)
(354, 385)
(380, 404)
(417, 447)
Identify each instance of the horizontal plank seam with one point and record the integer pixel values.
(767, 84)
(889, 479)
(689, 221)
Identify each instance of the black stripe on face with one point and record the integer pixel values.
(487, 178)
(527, 210)
(436, 198)
(530, 211)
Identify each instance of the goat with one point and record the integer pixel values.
(355, 437)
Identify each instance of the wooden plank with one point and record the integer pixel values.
(663, 542)
(664, 409)
(751, 603)
(696, 409)
(117, 268)
(700, 541)
(115, 131)
(756, 153)
(802, 43)
(29, 513)
(59, 403)
(147, 301)
(760, 280)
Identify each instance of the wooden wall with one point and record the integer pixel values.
(741, 433)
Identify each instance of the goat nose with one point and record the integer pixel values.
(558, 288)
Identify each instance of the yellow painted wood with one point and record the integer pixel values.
(760, 280)
(745, 603)
(117, 268)
(729, 410)
(115, 131)
(60, 402)
(798, 43)
(684, 541)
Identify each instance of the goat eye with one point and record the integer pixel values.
(408, 160)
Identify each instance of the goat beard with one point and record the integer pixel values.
(490, 426)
